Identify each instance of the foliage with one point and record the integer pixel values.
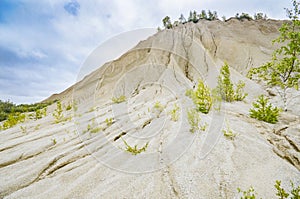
(135, 150)
(260, 16)
(68, 107)
(174, 113)
(167, 22)
(239, 94)
(119, 99)
(13, 119)
(201, 97)
(228, 133)
(283, 70)
(194, 120)
(281, 193)
(109, 121)
(7, 107)
(58, 115)
(264, 111)
(40, 113)
(225, 86)
(96, 130)
(23, 129)
(243, 16)
(248, 194)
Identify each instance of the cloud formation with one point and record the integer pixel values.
(44, 43)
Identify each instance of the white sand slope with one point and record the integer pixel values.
(84, 156)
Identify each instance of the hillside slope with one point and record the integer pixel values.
(84, 157)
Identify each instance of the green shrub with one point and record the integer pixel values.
(225, 86)
(96, 130)
(58, 112)
(68, 107)
(109, 121)
(174, 113)
(13, 119)
(248, 194)
(194, 120)
(239, 94)
(158, 106)
(135, 150)
(228, 133)
(201, 97)
(264, 111)
(119, 99)
(23, 129)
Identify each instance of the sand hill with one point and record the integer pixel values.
(83, 156)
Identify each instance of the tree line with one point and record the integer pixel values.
(207, 15)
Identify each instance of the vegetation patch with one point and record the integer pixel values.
(264, 111)
(201, 97)
(119, 99)
(135, 150)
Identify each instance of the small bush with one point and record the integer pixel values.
(201, 97)
(228, 133)
(23, 129)
(174, 113)
(68, 107)
(109, 121)
(58, 112)
(225, 86)
(118, 100)
(135, 150)
(264, 111)
(239, 94)
(96, 130)
(40, 113)
(248, 194)
(13, 119)
(194, 120)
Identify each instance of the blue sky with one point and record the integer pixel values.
(44, 43)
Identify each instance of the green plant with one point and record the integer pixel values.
(201, 97)
(264, 111)
(283, 71)
(7, 107)
(54, 141)
(68, 107)
(203, 127)
(248, 194)
(281, 193)
(295, 192)
(37, 127)
(109, 121)
(174, 113)
(194, 120)
(158, 108)
(239, 94)
(23, 129)
(228, 133)
(119, 99)
(96, 130)
(225, 87)
(58, 115)
(167, 22)
(13, 119)
(135, 150)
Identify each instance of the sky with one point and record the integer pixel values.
(43, 44)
